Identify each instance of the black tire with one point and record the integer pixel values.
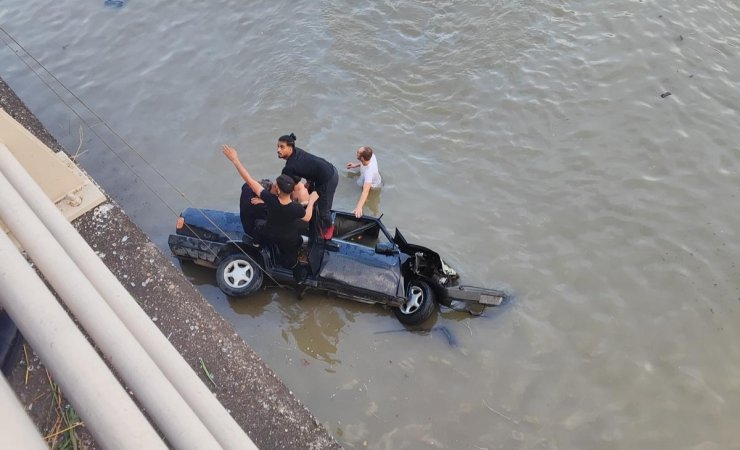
(238, 275)
(419, 305)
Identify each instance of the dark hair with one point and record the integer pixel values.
(288, 139)
(285, 183)
(266, 183)
(366, 153)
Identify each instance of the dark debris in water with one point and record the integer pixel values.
(441, 330)
(114, 3)
(665, 94)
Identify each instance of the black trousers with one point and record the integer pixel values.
(287, 245)
(248, 212)
(326, 199)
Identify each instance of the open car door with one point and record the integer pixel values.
(362, 258)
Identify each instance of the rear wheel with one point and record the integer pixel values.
(419, 304)
(238, 275)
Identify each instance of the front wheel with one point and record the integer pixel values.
(419, 304)
(238, 275)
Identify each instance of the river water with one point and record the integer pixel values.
(528, 142)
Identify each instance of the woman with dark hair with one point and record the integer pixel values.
(321, 173)
(284, 216)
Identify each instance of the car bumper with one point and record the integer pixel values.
(472, 294)
(195, 249)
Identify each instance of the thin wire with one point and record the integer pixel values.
(130, 147)
(89, 126)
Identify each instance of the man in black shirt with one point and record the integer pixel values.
(252, 209)
(284, 216)
(321, 173)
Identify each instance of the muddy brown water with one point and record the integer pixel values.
(527, 141)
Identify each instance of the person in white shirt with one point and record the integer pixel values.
(369, 175)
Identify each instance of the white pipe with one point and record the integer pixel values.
(108, 411)
(228, 433)
(163, 403)
(16, 428)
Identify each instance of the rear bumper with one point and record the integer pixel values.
(195, 249)
(472, 294)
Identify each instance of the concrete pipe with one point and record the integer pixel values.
(163, 403)
(228, 433)
(16, 428)
(108, 411)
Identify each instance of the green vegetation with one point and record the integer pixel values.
(63, 434)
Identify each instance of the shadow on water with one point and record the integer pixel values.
(441, 331)
(198, 275)
(314, 324)
(315, 331)
(425, 329)
(255, 305)
(459, 312)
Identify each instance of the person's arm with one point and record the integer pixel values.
(363, 197)
(351, 165)
(300, 194)
(231, 154)
(309, 209)
(290, 171)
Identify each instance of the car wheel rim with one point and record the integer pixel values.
(413, 300)
(238, 273)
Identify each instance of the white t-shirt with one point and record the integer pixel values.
(370, 174)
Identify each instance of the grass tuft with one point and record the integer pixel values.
(207, 372)
(64, 432)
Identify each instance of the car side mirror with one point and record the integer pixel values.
(386, 248)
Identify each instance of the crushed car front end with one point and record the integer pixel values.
(425, 263)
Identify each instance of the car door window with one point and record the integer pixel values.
(364, 232)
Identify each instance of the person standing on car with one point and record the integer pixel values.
(284, 216)
(322, 175)
(369, 176)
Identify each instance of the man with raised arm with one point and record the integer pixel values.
(284, 216)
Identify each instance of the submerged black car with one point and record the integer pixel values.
(362, 262)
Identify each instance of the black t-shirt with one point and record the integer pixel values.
(283, 221)
(302, 164)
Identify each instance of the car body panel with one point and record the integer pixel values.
(361, 267)
(212, 225)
